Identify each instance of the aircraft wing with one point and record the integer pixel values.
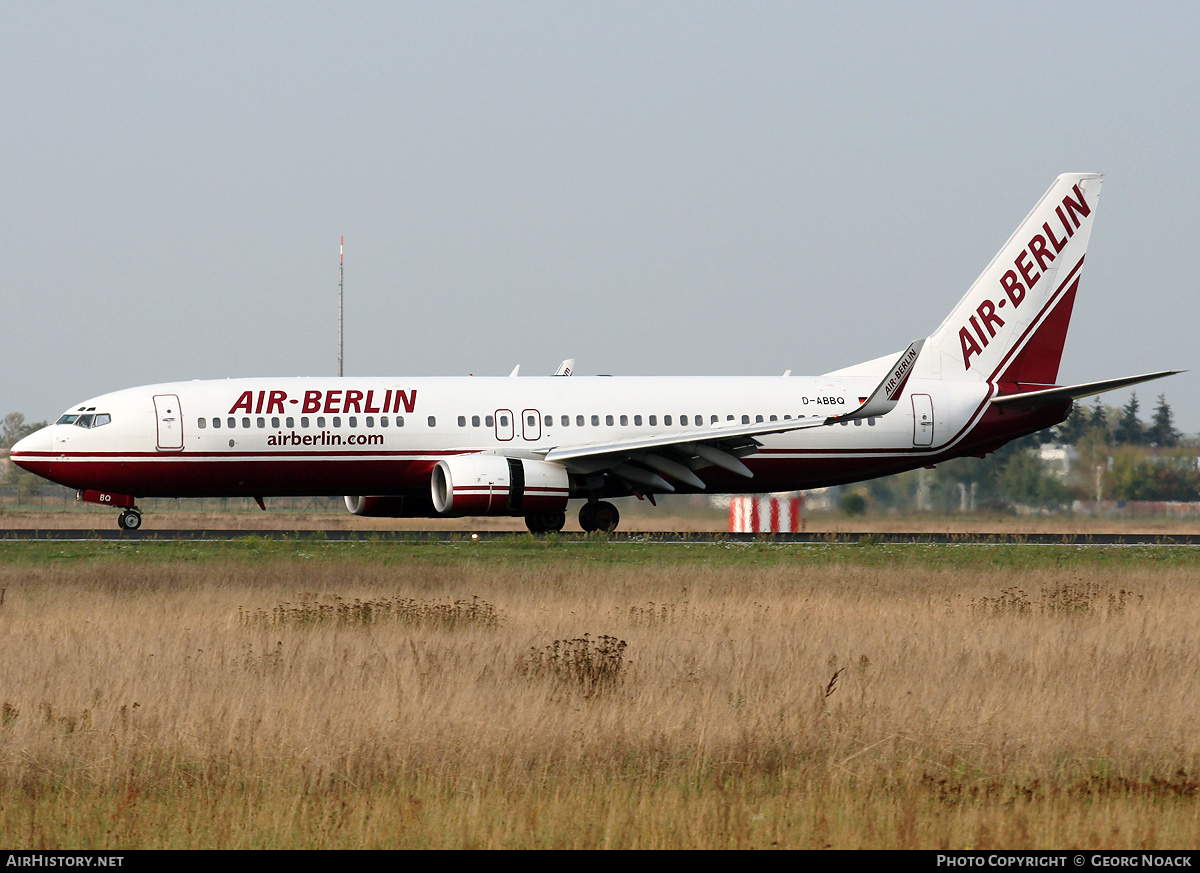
(639, 461)
(1052, 396)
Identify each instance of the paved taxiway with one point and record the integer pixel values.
(983, 538)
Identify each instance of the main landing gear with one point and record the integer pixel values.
(599, 515)
(593, 516)
(546, 522)
(130, 519)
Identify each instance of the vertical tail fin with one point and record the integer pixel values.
(1011, 325)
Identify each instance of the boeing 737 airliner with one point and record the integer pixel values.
(446, 447)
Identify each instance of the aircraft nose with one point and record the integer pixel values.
(27, 449)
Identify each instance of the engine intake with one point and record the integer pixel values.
(390, 506)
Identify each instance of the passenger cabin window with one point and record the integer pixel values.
(608, 420)
(202, 423)
(304, 421)
(596, 421)
(370, 420)
(462, 421)
(353, 421)
(566, 421)
(383, 421)
(579, 421)
(246, 421)
(489, 421)
(637, 420)
(337, 421)
(624, 421)
(275, 421)
(745, 419)
(432, 421)
(320, 421)
(399, 421)
(652, 421)
(474, 421)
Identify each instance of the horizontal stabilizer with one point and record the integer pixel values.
(1051, 396)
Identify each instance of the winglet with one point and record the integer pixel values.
(884, 398)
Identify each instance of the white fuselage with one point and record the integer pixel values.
(268, 436)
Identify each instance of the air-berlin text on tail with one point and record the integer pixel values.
(335, 401)
(1041, 250)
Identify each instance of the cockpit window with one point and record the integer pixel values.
(87, 420)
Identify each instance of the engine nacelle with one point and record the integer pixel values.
(479, 484)
(390, 506)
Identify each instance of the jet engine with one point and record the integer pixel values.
(478, 484)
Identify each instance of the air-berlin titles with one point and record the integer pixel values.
(337, 401)
(1017, 282)
(898, 378)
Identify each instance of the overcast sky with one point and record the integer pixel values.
(652, 188)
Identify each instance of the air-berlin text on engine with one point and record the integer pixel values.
(333, 401)
(1029, 264)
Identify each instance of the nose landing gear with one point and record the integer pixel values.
(130, 517)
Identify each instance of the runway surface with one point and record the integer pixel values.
(665, 538)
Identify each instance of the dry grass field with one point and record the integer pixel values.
(536, 694)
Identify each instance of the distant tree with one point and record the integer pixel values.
(1024, 480)
(14, 429)
(1162, 432)
(1130, 475)
(1098, 419)
(1130, 430)
(1074, 427)
(18, 481)
(854, 503)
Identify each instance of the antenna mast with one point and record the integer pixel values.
(341, 269)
